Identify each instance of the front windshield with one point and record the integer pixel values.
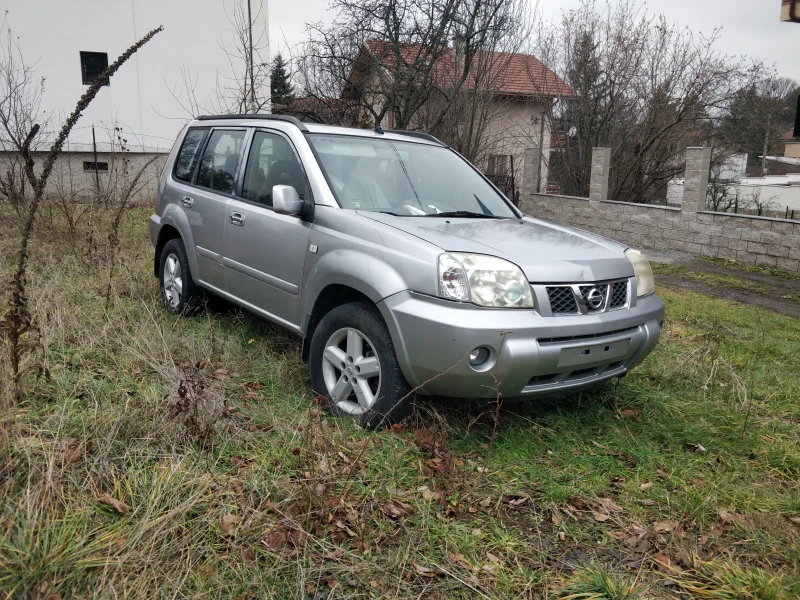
(404, 178)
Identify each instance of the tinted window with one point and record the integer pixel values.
(218, 165)
(271, 162)
(190, 151)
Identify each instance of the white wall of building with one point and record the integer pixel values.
(52, 33)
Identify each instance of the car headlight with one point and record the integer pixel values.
(483, 280)
(644, 274)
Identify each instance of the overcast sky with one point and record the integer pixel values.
(750, 27)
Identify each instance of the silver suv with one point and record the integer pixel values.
(400, 266)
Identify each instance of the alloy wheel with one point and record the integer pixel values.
(351, 370)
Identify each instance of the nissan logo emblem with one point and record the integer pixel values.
(594, 299)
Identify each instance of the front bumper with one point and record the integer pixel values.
(530, 355)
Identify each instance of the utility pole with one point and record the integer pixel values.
(250, 55)
(766, 146)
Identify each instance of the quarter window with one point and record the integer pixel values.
(271, 162)
(189, 153)
(218, 165)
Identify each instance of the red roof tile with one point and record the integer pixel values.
(512, 73)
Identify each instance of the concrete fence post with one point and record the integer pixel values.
(532, 160)
(598, 185)
(695, 183)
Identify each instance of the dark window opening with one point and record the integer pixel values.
(89, 165)
(92, 65)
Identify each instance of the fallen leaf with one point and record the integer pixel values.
(699, 481)
(632, 414)
(665, 526)
(248, 554)
(646, 502)
(275, 538)
(601, 517)
(664, 563)
(332, 583)
(556, 517)
(609, 505)
(424, 571)
(496, 560)
(729, 517)
(238, 486)
(72, 451)
(795, 520)
(221, 373)
(428, 495)
(618, 482)
(118, 505)
(201, 364)
(646, 485)
(486, 502)
(395, 509)
(229, 523)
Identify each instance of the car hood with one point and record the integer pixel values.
(544, 251)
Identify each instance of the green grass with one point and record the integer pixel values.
(509, 503)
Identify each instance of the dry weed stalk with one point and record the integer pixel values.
(17, 322)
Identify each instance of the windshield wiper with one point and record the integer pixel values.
(465, 214)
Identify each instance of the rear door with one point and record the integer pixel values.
(206, 201)
(263, 251)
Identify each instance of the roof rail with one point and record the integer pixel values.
(416, 134)
(285, 118)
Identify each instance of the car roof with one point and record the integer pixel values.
(252, 119)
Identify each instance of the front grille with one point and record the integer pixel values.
(586, 298)
(562, 300)
(619, 295)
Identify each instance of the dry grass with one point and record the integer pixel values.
(681, 481)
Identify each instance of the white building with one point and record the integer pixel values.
(70, 42)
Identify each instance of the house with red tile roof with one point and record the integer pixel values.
(515, 136)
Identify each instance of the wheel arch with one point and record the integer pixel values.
(167, 233)
(330, 297)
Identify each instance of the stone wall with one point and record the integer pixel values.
(747, 239)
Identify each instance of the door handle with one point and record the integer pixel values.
(236, 219)
(187, 201)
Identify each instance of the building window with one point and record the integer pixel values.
(89, 165)
(92, 64)
(497, 164)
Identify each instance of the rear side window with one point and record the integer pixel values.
(218, 165)
(190, 152)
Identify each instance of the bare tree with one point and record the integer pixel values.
(21, 119)
(244, 89)
(393, 58)
(643, 87)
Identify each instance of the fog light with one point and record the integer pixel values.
(478, 356)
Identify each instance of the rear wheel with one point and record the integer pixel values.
(178, 291)
(355, 368)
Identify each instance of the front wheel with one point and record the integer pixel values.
(354, 367)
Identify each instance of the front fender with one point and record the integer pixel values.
(370, 275)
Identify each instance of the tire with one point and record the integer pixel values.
(350, 343)
(178, 290)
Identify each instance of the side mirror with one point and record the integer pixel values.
(286, 200)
